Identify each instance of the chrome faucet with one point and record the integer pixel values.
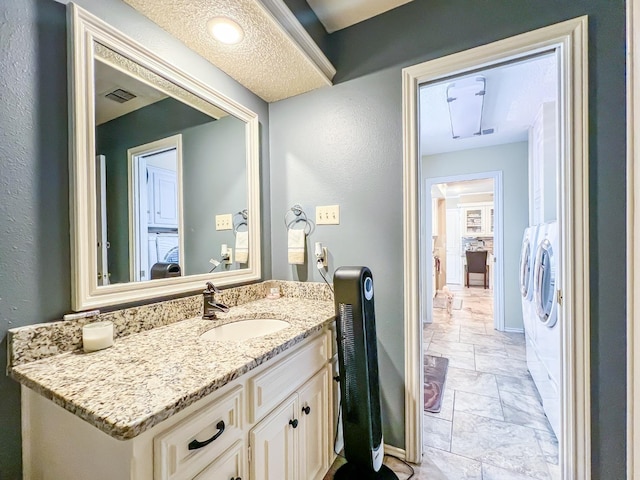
(210, 306)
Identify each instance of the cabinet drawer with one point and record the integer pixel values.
(208, 432)
(230, 465)
(269, 388)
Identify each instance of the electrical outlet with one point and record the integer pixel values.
(229, 260)
(224, 222)
(328, 215)
(325, 257)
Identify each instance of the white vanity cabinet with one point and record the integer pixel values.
(290, 443)
(241, 431)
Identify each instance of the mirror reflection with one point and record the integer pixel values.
(171, 177)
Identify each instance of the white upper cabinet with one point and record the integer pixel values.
(477, 220)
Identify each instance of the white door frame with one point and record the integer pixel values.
(137, 219)
(101, 215)
(570, 38)
(633, 240)
(497, 269)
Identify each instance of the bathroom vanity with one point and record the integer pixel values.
(167, 403)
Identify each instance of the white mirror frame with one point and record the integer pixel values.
(84, 30)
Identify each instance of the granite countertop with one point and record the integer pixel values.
(149, 376)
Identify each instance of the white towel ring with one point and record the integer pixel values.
(243, 214)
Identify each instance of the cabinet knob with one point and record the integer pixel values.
(306, 410)
(294, 423)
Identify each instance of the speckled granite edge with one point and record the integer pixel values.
(148, 377)
(36, 342)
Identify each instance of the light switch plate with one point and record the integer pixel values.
(224, 222)
(328, 215)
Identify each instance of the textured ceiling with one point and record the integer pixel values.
(268, 62)
(339, 14)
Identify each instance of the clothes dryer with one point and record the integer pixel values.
(527, 258)
(548, 324)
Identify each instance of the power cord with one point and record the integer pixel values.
(413, 472)
(325, 280)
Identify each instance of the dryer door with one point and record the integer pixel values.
(525, 269)
(544, 296)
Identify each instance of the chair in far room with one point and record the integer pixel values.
(477, 263)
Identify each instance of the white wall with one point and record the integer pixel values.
(512, 160)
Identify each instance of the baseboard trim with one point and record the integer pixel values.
(513, 330)
(395, 452)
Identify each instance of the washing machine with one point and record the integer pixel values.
(527, 257)
(548, 323)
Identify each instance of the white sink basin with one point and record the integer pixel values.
(245, 329)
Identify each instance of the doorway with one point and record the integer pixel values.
(154, 197)
(569, 40)
(465, 214)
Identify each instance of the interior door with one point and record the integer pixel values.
(453, 247)
(101, 207)
(141, 210)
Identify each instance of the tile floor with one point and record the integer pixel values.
(491, 426)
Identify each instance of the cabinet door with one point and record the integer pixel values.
(473, 220)
(274, 455)
(228, 466)
(488, 220)
(165, 197)
(314, 426)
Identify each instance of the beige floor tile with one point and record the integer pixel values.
(437, 433)
(502, 444)
(489, 407)
(472, 382)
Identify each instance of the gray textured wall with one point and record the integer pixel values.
(512, 160)
(423, 30)
(34, 220)
(113, 140)
(215, 183)
(214, 171)
(343, 145)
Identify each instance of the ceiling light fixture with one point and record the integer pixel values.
(466, 99)
(225, 30)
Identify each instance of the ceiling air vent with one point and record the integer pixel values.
(488, 131)
(119, 95)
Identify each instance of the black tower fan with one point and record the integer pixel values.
(359, 387)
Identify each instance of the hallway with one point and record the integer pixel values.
(491, 425)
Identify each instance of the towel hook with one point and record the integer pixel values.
(299, 215)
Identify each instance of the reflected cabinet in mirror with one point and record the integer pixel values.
(164, 175)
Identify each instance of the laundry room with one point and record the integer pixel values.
(489, 147)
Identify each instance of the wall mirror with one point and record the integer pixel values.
(164, 175)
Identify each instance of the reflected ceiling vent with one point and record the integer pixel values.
(466, 99)
(119, 95)
(488, 131)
